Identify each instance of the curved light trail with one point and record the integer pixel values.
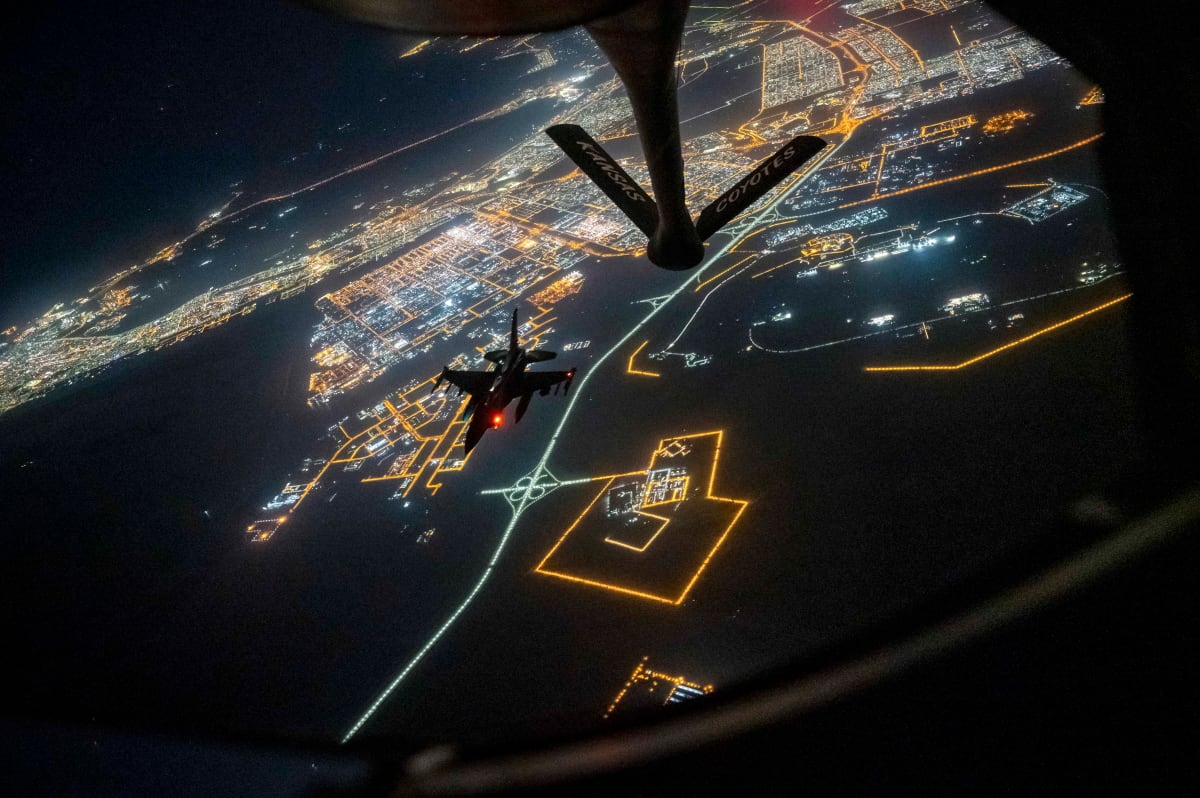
(865, 336)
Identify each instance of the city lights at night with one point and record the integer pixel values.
(244, 496)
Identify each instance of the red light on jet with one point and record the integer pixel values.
(497, 420)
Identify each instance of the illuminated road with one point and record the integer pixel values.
(541, 467)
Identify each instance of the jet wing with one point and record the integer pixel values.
(475, 383)
(533, 381)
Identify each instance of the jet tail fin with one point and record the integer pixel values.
(606, 173)
(512, 336)
(762, 179)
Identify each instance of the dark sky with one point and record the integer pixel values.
(124, 123)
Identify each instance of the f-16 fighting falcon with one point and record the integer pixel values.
(641, 40)
(491, 391)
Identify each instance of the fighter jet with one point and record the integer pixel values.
(641, 39)
(492, 390)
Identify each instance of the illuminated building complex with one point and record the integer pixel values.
(646, 688)
(650, 534)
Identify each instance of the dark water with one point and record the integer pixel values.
(124, 501)
(866, 495)
(891, 488)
